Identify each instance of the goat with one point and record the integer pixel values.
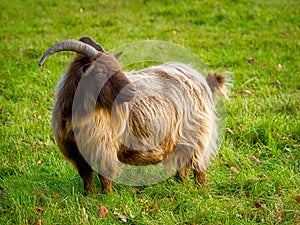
(104, 116)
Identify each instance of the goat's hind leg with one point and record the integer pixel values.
(107, 169)
(200, 176)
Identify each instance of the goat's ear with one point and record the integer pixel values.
(117, 56)
(92, 43)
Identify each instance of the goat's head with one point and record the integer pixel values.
(101, 80)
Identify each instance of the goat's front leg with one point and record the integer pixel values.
(71, 152)
(183, 173)
(86, 173)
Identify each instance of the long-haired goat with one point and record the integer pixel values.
(104, 116)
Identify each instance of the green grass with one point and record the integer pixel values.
(38, 184)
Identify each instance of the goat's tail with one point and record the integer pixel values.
(220, 82)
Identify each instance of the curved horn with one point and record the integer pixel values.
(92, 43)
(71, 45)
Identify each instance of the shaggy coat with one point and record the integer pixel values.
(104, 117)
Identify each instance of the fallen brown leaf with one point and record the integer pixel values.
(37, 116)
(138, 191)
(229, 130)
(280, 218)
(251, 60)
(246, 92)
(254, 159)
(38, 209)
(103, 212)
(234, 169)
(121, 217)
(258, 204)
(297, 198)
(177, 31)
(242, 127)
(144, 201)
(38, 162)
(38, 222)
(85, 215)
(171, 199)
(57, 196)
(276, 83)
(2, 191)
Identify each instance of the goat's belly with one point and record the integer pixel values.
(140, 158)
(144, 157)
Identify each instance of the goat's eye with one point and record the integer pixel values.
(80, 70)
(83, 69)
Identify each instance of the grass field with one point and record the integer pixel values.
(255, 178)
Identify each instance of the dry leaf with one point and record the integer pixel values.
(254, 159)
(2, 191)
(297, 198)
(280, 217)
(85, 215)
(171, 199)
(103, 212)
(144, 201)
(234, 169)
(242, 127)
(36, 116)
(57, 196)
(138, 191)
(177, 31)
(38, 222)
(279, 66)
(251, 60)
(148, 212)
(121, 217)
(38, 209)
(258, 204)
(229, 130)
(276, 83)
(246, 92)
(155, 204)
